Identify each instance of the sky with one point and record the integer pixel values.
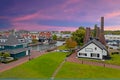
(61, 15)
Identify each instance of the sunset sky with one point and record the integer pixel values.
(37, 15)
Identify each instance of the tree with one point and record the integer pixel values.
(54, 37)
(95, 30)
(79, 35)
(1, 54)
(5, 55)
(34, 40)
(71, 43)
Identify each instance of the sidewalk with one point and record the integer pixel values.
(34, 54)
(73, 58)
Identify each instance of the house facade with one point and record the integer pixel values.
(93, 49)
(16, 46)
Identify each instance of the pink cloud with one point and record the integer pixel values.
(112, 14)
(61, 12)
(32, 27)
(27, 17)
(114, 27)
(4, 17)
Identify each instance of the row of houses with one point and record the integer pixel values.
(35, 34)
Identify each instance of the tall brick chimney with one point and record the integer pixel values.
(102, 38)
(87, 35)
(102, 24)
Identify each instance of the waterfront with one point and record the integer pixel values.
(46, 46)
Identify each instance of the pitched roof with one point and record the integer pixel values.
(96, 42)
(11, 40)
(15, 51)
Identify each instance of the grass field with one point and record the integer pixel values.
(63, 47)
(45, 65)
(115, 59)
(42, 67)
(73, 70)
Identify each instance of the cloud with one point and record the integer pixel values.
(112, 14)
(34, 27)
(4, 17)
(114, 27)
(82, 11)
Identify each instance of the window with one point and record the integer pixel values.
(93, 55)
(88, 49)
(82, 54)
(95, 48)
(98, 55)
(14, 45)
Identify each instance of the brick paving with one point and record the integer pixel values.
(74, 59)
(34, 54)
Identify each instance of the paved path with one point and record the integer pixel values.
(56, 71)
(34, 54)
(73, 58)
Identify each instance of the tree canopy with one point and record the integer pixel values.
(54, 37)
(71, 43)
(79, 35)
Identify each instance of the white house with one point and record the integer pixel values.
(93, 49)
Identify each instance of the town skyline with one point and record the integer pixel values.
(55, 15)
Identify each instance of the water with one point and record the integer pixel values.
(46, 46)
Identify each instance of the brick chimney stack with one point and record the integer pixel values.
(102, 38)
(102, 24)
(87, 35)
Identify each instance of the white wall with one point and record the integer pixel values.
(91, 49)
(112, 37)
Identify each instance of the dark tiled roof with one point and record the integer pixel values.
(12, 40)
(96, 42)
(15, 51)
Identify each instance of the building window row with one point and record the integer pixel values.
(94, 55)
(82, 54)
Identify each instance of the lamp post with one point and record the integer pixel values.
(29, 56)
(103, 62)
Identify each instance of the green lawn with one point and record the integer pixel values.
(63, 47)
(73, 70)
(115, 59)
(42, 67)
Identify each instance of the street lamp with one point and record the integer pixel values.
(103, 62)
(29, 56)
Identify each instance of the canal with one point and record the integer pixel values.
(46, 46)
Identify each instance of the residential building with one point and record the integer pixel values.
(15, 45)
(113, 41)
(93, 49)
